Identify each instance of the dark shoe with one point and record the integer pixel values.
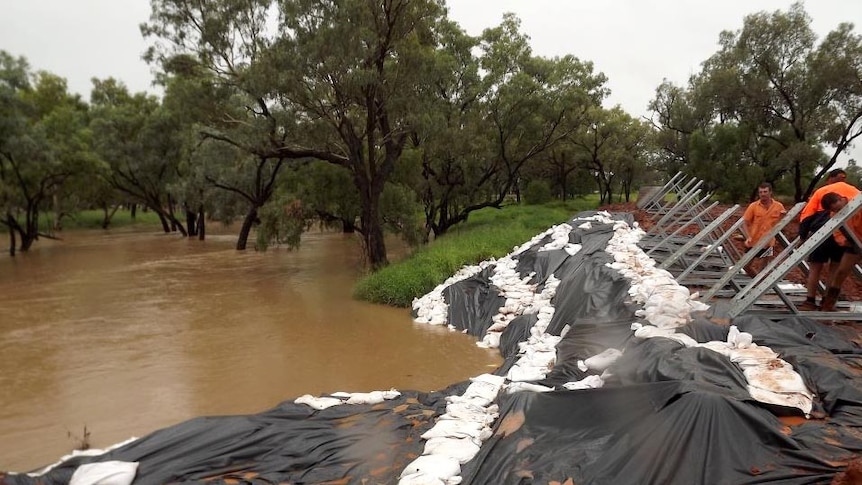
(829, 300)
(808, 306)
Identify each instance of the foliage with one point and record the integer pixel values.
(44, 143)
(94, 219)
(537, 192)
(141, 144)
(490, 233)
(281, 221)
(772, 99)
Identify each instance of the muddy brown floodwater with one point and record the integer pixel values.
(128, 332)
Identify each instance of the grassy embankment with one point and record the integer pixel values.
(92, 219)
(489, 233)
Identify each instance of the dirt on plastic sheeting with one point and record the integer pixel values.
(851, 476)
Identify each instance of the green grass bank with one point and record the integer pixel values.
(92, 219)
(489, 233)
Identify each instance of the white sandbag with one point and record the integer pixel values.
(572, 249)
(433, 466)
(105, 473)
(491, 340)
(461, 449)
(318, 403)
(520, 373)
(589, 382)
(470, 413)
(526, 386)
(489, 379)
(603, 360)
(776, 376)
(484, 390)
(373, 397)
(792, 400)
(475, 400)
(447, 428)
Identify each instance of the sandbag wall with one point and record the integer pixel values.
(676, 409)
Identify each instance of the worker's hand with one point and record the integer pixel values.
(748, 243)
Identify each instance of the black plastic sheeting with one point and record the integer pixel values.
(291, 443)
(667, 414)
(473, 302)
(680, 432)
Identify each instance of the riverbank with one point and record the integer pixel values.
(489, 233)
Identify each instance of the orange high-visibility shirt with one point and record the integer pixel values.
(853, 224)
(841, 188)
(761, 219)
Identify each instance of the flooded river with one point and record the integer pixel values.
(128, 332)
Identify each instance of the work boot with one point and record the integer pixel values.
(809, 305)
(829, 300)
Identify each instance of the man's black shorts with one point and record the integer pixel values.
(829, 250)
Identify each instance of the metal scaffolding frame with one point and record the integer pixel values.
(696, 260)
(707, 260)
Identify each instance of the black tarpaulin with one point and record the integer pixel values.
(473, 302)
(658, 433)
(291, 443)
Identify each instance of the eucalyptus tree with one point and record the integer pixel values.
(531, 103)
(561, 164)
(326, 192)
(611, 144)
(675, 118)
(43, 144)
(451, 142)
(333, 81)
(773, 78)
(141, 143)
(503, 109)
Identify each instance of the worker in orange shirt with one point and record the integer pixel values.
(834, 202)
(759, 218)
(810, 219)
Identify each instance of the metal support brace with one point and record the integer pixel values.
(696, 239)
(776, 261)
(748, 256)
(684, 190)
(770, 278)
(659, 198)
(681, 228)
(660, 193)
(676, 208)
(659, 229)
(716, 245)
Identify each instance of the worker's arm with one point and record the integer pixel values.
(747, 220)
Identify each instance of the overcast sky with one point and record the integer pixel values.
(636, 43)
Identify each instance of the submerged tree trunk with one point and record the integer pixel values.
(202, 227)
(191, 222)
(171, 216)
(347, 226)
(244, 231)
(12, 241)
(27, 241)
(108, 215)
(55, 225)
(164, 221)
(372, 232)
